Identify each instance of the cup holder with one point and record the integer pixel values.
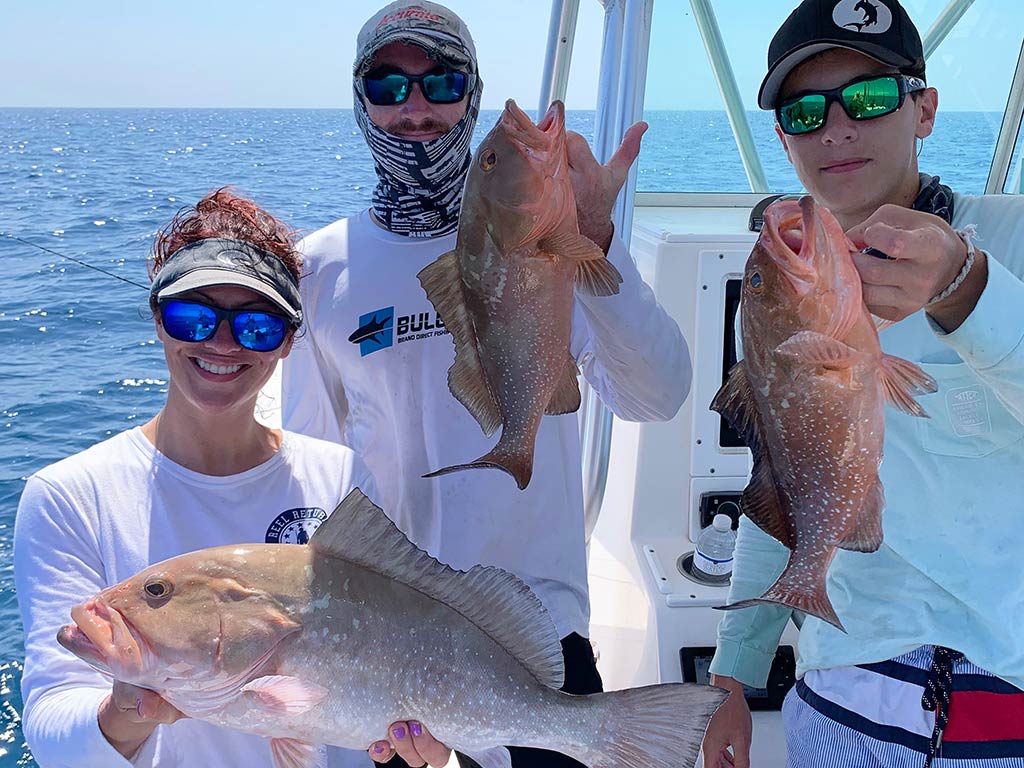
(685, 566)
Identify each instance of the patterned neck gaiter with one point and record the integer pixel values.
(419, 184)
(934, 198)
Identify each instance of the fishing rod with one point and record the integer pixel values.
(77, 261)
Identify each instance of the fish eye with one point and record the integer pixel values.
(158, 587)
(755, 281)
(488, 160)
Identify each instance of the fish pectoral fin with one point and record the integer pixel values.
(496, 757)
(292, 753)
(566, 398)
(901, 380)
(442, 282)
(597, 278)
(820, 349)
(282, 694)
(571, 245)
(595, 275)
(866, 535)
(881, 323)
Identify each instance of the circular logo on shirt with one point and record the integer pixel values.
(295, 526)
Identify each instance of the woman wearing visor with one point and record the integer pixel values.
(203, 472)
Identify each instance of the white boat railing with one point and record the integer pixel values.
(1008, 133)
(721, 67)
(561, 36)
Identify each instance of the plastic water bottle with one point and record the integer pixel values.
(712, 559)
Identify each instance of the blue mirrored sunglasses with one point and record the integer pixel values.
(192, 321)
(389, 89)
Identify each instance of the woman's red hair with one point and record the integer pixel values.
(223, 213)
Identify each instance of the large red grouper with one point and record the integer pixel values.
(506, 291)
(331, 642)
(809, 399)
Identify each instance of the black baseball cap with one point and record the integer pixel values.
(880, 29)
(224, 261)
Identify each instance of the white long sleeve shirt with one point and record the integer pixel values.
(386, 395)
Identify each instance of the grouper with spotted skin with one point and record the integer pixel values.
(809, 399)
(332, 641)
(506, 291)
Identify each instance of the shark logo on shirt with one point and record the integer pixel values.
(379, 329)
(376, 331)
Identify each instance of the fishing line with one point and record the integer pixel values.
(77, 261)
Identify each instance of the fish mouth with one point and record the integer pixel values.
(102, 637)
(539, 137)
(791, 234)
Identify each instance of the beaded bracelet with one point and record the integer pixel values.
(966, 234)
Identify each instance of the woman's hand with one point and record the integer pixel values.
(412, 742)
(129, 715)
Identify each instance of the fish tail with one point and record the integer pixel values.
(656, 726)
(519, 465)
(814, 602)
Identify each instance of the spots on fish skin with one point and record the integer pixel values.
(355, 623)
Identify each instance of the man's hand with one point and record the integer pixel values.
(412, 742)
(129, 715)
(729, 727)
(926, 255)
(597, 186)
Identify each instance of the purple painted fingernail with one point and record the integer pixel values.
(378, 748)
(399, 733)
(415, 729)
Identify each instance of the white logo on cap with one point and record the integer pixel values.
(868, 16)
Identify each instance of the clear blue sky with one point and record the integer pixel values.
(226, 53)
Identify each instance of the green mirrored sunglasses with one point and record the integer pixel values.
(861, 99)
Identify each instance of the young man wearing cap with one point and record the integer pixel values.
(932, 662)
(371, 371)
(203, 472)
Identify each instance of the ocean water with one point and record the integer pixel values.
(79, 357)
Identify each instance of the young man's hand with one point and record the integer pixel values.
(925, 257)
(729, 727)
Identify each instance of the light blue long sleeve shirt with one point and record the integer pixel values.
(951, 570)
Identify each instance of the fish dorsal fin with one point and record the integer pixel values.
(595, 275)
(735, 401)
(819, 349)
(466, 380)
(566, 398)
(762, 504)
(760, 501)
(866, 535)
(901, 380)
(496, 601)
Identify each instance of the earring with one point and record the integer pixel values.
(920, 146)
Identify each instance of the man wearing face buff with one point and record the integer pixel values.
(371, 371)
(931, 667)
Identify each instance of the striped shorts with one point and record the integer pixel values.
(870, 716)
